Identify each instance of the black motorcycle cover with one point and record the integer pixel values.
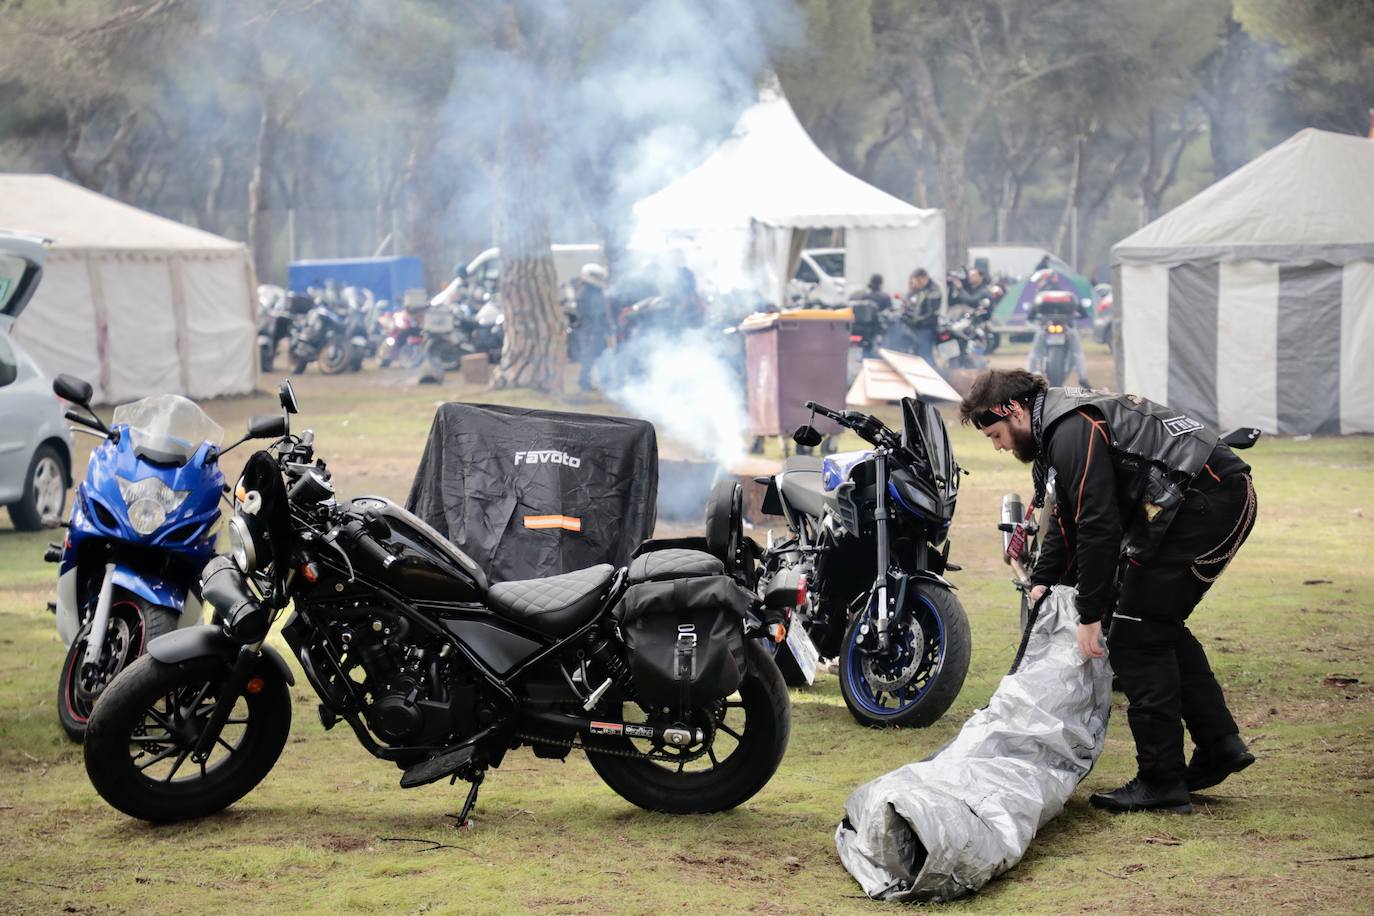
(531, 493)
(686, 639)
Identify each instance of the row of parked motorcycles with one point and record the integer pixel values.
(341, 328)
(963, 337)
(680, 708)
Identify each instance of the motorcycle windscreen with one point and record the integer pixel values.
(532, 493)
(924, 433)
(942, 828)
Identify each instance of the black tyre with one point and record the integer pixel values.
(412, 356)
(746, 739)
(133, 623)
(1057, 365)
(266, 356)
(335, 357)
(299, 364)
(915, 681)
(45, 491)
(139, 739)
(994, 340)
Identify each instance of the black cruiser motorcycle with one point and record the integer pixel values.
(653, 670)
(870, 531)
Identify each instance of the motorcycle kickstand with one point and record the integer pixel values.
(470, 803)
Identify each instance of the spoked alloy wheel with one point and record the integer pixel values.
(744, 739)
(132, 624)
(917, 677)
(141, 736)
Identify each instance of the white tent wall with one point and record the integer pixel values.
(1143, 360)
(895, 253)
(222, 349)
(1357, 347)
(1248, 326)
(60, 327)
(141, 351)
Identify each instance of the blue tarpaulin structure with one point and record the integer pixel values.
(388, 278)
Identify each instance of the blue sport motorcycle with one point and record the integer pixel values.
(142, 528)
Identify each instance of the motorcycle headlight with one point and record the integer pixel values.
(241, 545)
(150, 501)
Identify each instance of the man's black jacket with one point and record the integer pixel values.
(1094, 500)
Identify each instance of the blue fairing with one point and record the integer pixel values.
(151, 587)
(187, 536)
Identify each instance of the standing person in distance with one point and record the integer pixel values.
(921, 312)
(1150, 507)
(594, 324)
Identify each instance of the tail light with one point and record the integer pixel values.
(855, 338)
(801, 591)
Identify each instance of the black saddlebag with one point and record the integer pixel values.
(686, 638)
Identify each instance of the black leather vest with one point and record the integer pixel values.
(1157, 451)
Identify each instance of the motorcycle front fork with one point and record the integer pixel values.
(95, 638)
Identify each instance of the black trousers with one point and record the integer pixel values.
(1161, 667)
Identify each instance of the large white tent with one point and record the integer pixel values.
(751, 201)
(1252, 304)
(134, 303)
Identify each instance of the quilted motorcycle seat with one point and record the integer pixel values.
(674, 563)
(800, 483)
(556, 605)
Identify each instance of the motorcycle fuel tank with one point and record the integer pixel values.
(428, 567)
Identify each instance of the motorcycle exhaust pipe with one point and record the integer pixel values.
(671, 736)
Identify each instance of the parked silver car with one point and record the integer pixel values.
(35, 444)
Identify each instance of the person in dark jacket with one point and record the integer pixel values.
(921, 313)
(1149, 508)
(594, 323)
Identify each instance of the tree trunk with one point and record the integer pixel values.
(260, 195)
(1071, 197)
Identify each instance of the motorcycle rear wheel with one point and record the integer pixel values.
(923, 696)
(335, 357)
(749, 739)
(1057, 365)
(139, 739)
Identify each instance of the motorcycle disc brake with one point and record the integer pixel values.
(893, 668)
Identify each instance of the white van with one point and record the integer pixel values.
(819, 276)
(567, 263)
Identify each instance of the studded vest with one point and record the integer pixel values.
(1156, 450)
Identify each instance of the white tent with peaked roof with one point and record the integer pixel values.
(1252, 304)
(768, 183)
(134, 303)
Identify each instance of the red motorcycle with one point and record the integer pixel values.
(403, 340)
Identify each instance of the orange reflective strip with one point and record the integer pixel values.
(567, 523)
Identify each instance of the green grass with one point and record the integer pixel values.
(330, 830)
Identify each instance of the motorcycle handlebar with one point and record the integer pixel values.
(367, 544)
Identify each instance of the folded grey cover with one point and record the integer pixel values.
(942, 828)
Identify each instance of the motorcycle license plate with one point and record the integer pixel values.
(798, 644)
(438, 323)
(948, 348)
(1056, 340)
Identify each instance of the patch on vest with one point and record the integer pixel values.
(1074, 392)
(1181, 425)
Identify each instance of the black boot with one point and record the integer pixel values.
(1145, 795)
(1213, 763)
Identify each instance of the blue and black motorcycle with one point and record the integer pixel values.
(870, 531)
(142, 528)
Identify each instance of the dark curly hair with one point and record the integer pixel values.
(998, 386)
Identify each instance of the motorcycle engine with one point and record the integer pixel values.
(416, 690)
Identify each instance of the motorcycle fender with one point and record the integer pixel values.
(926, 575)
(205, 640)
(152, 589)
(68, 613)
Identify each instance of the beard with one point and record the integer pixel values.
(1023, 446)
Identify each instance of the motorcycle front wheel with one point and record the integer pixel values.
(133, 623)
(914, 681)
(746, 738)
(140, 738)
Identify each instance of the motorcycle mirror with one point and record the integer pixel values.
(270, 426)
(1244, 437)
(71, 388)
(807, 435)
(287, 396)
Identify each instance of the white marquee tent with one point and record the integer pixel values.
(131, 302)
(751, 201)
(1252, 304)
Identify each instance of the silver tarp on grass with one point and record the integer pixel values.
(942, 828)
